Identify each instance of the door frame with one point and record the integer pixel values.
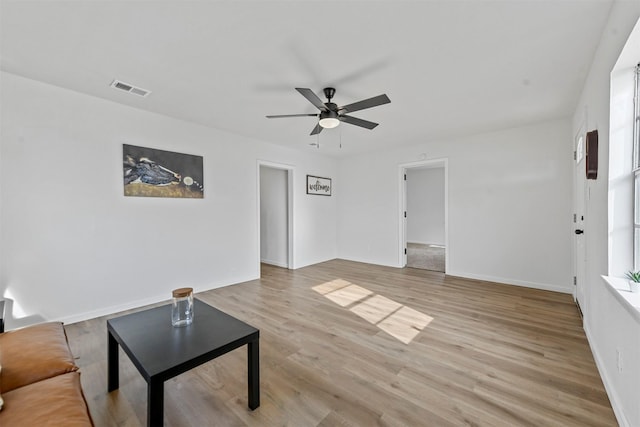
(290, 174)
(402, 206)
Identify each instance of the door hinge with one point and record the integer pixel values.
(575, 218)
(575, 155)
(405, 176)
(405, 214)
(575, 281)
(405, 251)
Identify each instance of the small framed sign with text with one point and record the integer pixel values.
(318, 186)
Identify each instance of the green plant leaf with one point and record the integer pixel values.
(633, 276)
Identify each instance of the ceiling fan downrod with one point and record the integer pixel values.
(329, 92)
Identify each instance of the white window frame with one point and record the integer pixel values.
(636, 170)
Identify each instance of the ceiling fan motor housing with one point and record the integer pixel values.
(331, 106)
(331, 114)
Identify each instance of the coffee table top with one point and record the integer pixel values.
(160, 350)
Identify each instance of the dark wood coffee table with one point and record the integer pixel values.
(161, 351)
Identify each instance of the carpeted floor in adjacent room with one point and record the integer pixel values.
(426, 257)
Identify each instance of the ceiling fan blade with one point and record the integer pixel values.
(367, 103)
(291, 115)
(316, 130)
(312, 98)
(358, 122)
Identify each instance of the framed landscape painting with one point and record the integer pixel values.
(149, 172)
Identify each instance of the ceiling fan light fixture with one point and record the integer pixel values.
(329, 119)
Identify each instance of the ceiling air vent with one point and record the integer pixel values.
(117, 84)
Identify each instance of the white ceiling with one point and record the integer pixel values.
(450, 67)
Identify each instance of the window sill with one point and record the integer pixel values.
(620, 289)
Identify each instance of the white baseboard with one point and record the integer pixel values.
(141, 302)
(523, 283)
(426, 243)
(366, 261)
(276, 263)
(613, 397)
(111, 309)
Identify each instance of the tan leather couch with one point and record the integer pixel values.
(39, 382)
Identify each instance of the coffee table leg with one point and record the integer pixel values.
(155, 403)
(113, 380)
(253, 369)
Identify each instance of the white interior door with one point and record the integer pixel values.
(404, 217)
(580, 250)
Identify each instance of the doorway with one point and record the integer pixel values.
(424, 215)
(275, 214)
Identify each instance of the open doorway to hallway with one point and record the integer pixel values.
(425, 217)
(275, 214)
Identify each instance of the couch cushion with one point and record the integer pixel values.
(56, 401)
(33, 353)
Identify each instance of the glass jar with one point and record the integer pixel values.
(182, 307)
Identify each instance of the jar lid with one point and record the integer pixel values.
(182, 292)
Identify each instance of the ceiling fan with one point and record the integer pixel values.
(331, 115)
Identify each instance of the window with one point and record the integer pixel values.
(636, 170)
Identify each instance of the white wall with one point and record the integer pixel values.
(608, 325)
(509, 205)
(74, 247)
(273, 216)
(425, 206)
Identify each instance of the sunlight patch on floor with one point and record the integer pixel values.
(398, 320)
(376, 308)
(349, 295)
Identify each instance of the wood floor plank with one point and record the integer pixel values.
(352, 344)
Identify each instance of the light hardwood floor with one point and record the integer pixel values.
(351, 344)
